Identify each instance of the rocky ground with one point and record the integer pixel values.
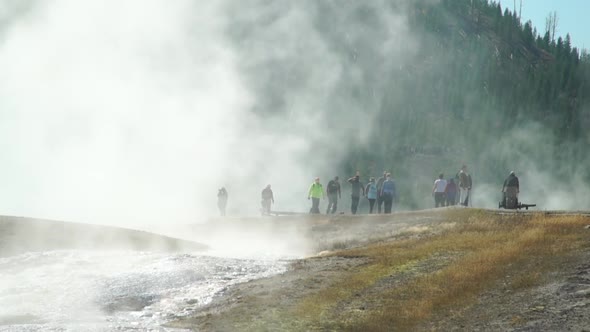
(561, 301)
(558, 301)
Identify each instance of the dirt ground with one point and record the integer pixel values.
(560, 303)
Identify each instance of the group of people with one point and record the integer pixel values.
(383, 193)
(454, 190)
(457, 190)
(380, 193)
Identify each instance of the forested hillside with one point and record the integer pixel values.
(420, 87)
(494, 93)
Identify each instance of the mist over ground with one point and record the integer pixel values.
(137, 112)
(140, 111)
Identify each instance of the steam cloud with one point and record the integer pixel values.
(138, 111)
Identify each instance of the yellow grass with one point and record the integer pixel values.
(483, 248)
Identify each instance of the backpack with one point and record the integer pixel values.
(388, 187)
(372, 191)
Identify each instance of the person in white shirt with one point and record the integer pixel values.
(439, 191)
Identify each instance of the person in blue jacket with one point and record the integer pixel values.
(388, 193)
(371, 192)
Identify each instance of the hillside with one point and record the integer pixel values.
(452, 269)
(494, 94)
(418, 88)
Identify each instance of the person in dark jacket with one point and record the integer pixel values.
(465, 184)
(267, 200)
(357, 189)
(511, 182)
(451, 192)
(379, 185)
(511, 187)
(333, 190)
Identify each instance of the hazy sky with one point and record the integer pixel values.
(572, 17)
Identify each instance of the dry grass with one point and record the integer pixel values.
(487, 247)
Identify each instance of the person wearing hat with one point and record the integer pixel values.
(510, 189)
(357, 190)
(379, 186)
(316, 192)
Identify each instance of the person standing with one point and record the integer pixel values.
(357, 189)
(267, 200)
(451, 192)
(439, 191)
(379, 186)
(316, 191)
(388, 192)
(222, 200)
(334, 194)
(371, 191)
(464, 186)
(510, 190)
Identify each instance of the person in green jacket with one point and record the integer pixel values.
(316, 191)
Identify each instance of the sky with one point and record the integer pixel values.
(571, 16)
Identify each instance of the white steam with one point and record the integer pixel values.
(137, 111)
(115, 110)
(551, 182)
